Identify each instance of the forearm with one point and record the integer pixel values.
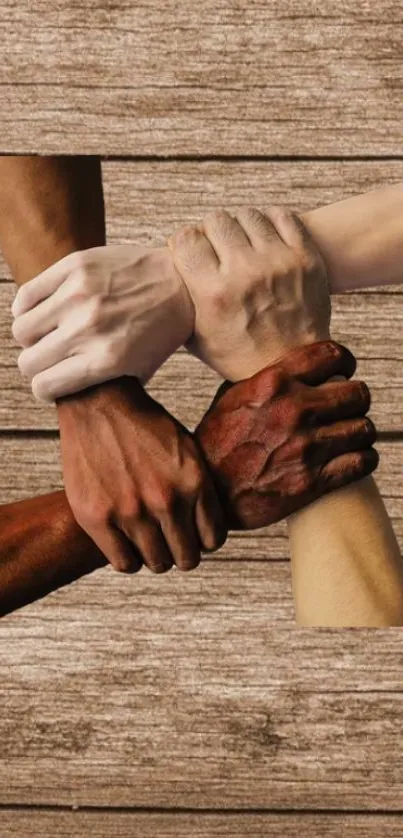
(49, 207)
(346, 564)
(361, 239)
(41, 549)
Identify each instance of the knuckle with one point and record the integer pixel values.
(185, 235)
(91, 315)
(296, 414)
(280, 212)
(278, 381)
(42, 389)
(161, 499)
(21, 300)
(78, 284)
(131, 507)
(91, 516)
(23, 363)
(192, 478)
(19, 331)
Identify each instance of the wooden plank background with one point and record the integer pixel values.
(191, 705)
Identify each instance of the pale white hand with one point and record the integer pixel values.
(98, 314)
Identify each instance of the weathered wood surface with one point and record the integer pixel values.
(370, 325)
(36, 824)
(146, 201)
(31, 466)
(207, 78)
(196, 691)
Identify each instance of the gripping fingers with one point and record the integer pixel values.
(341, 438)
(41, 286)
(224, 232)
(258, 227)
(69, 376)
(315, 363)
(192, 252)
(340, 400)
(150, 543)
(348, 469)
(180, 534)
(121, 554)
(210, 520)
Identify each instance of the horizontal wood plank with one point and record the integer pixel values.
(196, 691)
(36, 824)
(370, 325)
(145, 201)
(213, 78)
(31, 466)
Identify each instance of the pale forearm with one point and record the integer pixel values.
(361, 239)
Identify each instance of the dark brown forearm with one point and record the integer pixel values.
(41, 549)
(49, 207)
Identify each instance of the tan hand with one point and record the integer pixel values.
(258, 285)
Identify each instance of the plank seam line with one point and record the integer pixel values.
(29, 807)
(235, 158)
(49, 433)
(253, 158)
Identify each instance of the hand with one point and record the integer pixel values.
(258, 285)
(99, 314)
(136, 480)
(281, 439)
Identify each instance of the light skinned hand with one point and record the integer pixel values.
(258, 284)
(98, 314)
(136, 479)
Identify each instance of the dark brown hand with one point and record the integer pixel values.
(279, 440)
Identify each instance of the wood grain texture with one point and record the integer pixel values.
(210, 78)
(36, 824)
(31, 466)
(146, 201)
(196, 691)
(370, 325)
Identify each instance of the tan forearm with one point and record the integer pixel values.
(346, 565)
(49, 207)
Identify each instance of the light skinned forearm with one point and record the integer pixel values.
(361, 239)
(51, 206)
(346, 563)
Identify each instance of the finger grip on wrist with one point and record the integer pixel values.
(99, 314)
